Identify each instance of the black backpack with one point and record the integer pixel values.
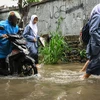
(85, 33)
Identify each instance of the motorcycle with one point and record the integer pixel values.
(18, 61)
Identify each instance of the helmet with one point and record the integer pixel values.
(15, 13)
(13, 17)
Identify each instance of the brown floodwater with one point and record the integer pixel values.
(57, 82)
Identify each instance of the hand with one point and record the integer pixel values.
(4, 36)
(34, 39)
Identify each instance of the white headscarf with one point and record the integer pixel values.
(33, 26)
(96, 10)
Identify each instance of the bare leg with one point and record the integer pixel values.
(86, 76)
(85, 66)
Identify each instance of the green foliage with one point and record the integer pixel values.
(58, 24)
(54, 51)
(83, 53)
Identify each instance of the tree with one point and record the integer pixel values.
(24, 6)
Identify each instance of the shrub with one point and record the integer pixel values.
(53, 52)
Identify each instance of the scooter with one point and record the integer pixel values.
(18, 61)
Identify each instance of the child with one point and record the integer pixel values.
(30, 33)
(93, 47)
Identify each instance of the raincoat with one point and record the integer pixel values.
(5, 45)
(93, 48)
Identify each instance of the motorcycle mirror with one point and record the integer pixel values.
(1, 28)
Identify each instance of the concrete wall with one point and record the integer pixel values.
(74, 13)
(70, 10)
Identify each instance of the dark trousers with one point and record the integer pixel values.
(3, 67)
(3, 63)
(16, 62)
(35, 57)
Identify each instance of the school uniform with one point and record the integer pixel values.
(93, 47)
(30, 33)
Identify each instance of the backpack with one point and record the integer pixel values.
(85, 33)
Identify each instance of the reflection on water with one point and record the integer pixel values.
(57, 82)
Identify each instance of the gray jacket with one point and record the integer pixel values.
(29, 35)
(93, 47)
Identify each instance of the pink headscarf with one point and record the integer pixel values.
(33, 26)
(96, 9)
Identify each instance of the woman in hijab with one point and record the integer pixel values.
(93, 47)
(30, 33)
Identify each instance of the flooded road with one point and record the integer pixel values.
(57, 82)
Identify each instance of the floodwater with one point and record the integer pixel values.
(57, 82)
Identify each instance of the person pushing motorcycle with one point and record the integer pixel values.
(10, 27)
